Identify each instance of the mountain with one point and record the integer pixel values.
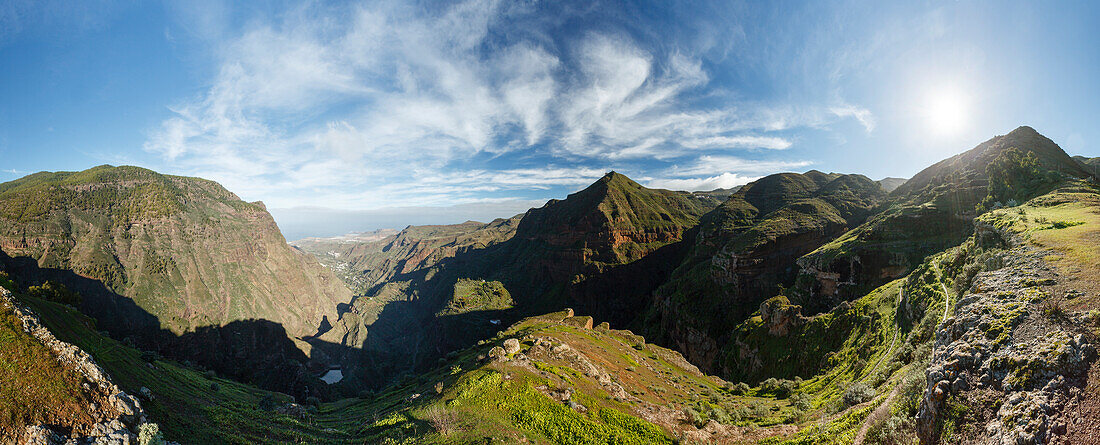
(369, 260)
(161, 258)
(543, 259)
(889, 184)
(744, 253)
(933, 210)
(185, 250)
(801, 308)
(1092, 165)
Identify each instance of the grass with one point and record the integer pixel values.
(187, 408)
(35, 387)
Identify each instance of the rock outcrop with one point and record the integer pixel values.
(1002, 354)
(120, 416)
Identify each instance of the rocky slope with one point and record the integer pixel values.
(744, 252)
(59, 393)
(1013, 362)
(933, 210)
(156, 251)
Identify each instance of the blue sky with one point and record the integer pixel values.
(354, 116)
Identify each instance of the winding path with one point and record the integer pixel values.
(883, 408)
(885, 405)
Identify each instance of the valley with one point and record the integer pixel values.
(801, 308)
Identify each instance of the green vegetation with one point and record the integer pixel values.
(56, 292)
(477, 295)
(34, 387)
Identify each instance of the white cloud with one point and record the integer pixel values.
(744, 141)
(709, 165)
(722, 181)
(388, 105)
(862, 115)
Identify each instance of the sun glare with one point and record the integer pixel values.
(945, 111)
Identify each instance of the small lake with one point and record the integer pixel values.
(333, 376)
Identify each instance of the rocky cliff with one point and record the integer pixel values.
(152, 251)
(744, 252)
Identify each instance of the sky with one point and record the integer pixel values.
(349, 116)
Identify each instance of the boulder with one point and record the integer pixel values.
(511, 346)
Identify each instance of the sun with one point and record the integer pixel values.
(946, 110)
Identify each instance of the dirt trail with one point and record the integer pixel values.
(894, 342)
(882, 410)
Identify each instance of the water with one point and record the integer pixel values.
(333, 376)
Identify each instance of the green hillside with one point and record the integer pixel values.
(744, 253)
(933, 210)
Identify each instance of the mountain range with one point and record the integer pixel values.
(953, 307)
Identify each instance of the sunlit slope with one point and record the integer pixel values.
(933, 211)
(744, 253)
(186, 251)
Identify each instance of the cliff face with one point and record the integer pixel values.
(933, 211)
(596, 249)
(156, 251)
(612, 222)
(744, 253)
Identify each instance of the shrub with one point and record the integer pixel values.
(214, 386)
(769, 385)
(441, 420)
(1092, 316)
(148, 356)
(893, 431)
(801, 401)
(1052, 309)
(719, 415)
(56, 292)
(759, 409)
(858, 393)
(6, 281)
(149, 434)
(313, 401)
(695, 417)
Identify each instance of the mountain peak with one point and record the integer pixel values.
(1023, 130)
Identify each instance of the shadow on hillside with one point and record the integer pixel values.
(254, 351)
(407, 337)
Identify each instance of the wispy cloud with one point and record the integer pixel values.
(389, 105)
(862, 115)
(722, 181)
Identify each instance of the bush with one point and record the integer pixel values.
(149, 434)
(769, 385)
(801, 401)
(442, 421)
(893, 431)
(56, 292)
(695, 417)
(858, 393)
(214, 386)
(313, 401)
(6, 281)
(148, 356)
